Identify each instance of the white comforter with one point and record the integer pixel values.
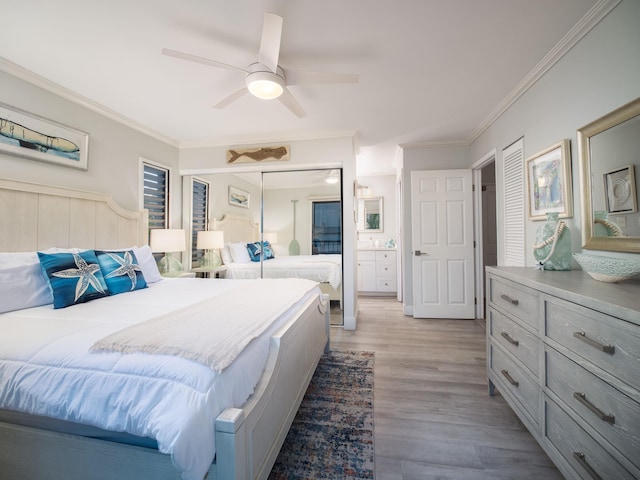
(319, 268)
(46, 369)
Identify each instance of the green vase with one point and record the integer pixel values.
(552, 249)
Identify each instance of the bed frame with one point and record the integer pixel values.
(243, 229)
(248, 439)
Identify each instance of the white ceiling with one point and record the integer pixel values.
(431, 71)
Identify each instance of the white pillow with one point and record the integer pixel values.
(239, 252)
(22, 283)
(225, 253)
(147, 263)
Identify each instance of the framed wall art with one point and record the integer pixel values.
(238, 197)
(620, 190)
(549, 182)
(29, 136)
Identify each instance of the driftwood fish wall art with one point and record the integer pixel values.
(248, 155)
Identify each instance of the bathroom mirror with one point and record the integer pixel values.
(370, 217)
(609, 156)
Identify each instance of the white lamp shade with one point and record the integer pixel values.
(271, 237)
(168, 240)
(210, 239)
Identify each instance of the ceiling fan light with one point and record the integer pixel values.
(265, 85)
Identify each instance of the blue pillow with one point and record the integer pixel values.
(255, 249)
(73, 277)
(121, 271)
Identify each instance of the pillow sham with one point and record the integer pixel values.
(260, 248)
(22, 283)
(239, 252)
(147, 264)
(121, 271)
(73, 277)
(225, 254)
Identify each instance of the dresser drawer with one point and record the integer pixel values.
(385, 268)
(386, 256)
(610, 343)
(589, 459)
(592, 398)
(515, 339)
(519, 383)
(387, 284)
(515, 300)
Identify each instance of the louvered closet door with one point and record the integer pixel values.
(514, 191)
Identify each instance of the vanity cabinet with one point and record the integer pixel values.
(564, 352)
(377, 271)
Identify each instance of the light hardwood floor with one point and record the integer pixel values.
(433, 417)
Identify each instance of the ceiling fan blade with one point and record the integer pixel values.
(231, 98)
(197, 59)
(299, 77)
(270, 42)
(289, 101)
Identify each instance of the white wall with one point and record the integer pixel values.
(114, 150)
(601, 73)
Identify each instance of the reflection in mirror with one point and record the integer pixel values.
(608, 152)
(370, 214)
(303, 209)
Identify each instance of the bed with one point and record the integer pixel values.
(324, 269)
(247, 435)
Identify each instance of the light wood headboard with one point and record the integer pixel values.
(36, 217)
(237, 229)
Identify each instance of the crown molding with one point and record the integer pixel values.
(266, 139)
(579, 30)
(30, 77)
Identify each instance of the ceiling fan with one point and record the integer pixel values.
(265, 78)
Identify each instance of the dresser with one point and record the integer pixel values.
(564, 351)
(377, 271)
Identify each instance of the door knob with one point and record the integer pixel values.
(419, 253)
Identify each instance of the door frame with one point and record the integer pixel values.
(476, 171)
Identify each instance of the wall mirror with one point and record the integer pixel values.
(370, 216)
(609, 155)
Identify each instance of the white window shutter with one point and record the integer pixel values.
(514, 191)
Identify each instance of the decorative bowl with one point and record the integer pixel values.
(607, 269)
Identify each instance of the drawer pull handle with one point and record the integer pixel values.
(579, 456)
(610, 349)
(509, 299)
(508, 377)
(582, 398)
(509, 339)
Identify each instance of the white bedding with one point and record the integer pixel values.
(46, 369)
(319, 268)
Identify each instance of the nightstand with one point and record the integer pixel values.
(211, 272)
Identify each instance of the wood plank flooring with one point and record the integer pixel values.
(433, 416)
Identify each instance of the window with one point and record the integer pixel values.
(326, 227)
(199, 216)
(156, 195)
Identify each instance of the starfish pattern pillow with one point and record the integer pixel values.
(73, 277)
(258, 249)
(121, 270)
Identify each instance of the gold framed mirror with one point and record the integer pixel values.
(609, 156)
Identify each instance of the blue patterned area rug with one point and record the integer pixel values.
(332, 434)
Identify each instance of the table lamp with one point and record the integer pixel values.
(271, 237)
(167, 241)
(211, 241)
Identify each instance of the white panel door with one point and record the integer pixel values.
(442, 244)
